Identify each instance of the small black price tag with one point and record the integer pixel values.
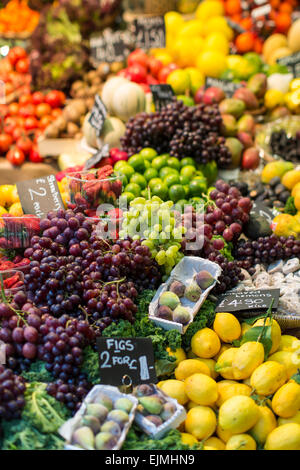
(227, 86)
(256, 300)
(149, 32)
(126, 361)
(40, 196)
(292, 62)
(235, 26)
(162, 95)
(263, 211)
(98, 115)
(111, 46)
(95, 159)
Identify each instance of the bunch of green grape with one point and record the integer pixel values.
(159, 226)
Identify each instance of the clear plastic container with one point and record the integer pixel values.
(8, 277)
(16, 232)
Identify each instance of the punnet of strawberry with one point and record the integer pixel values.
(16, 232)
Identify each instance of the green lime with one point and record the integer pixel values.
(184, 180)
(179, 206)
(150, 173)
(166, 170)
(139, 179)
(126, 197)
(171, 179)
(133, 188)
(187, 161)
(198, 186)
(153, 182)
(127, 170)
(145, 193)
(188, 171)
(187, 190)
(137, 162)
(176, 192)
(209, 170)
(173, 162)
(160, 190)
(147, 164)
(148, 153)
(159, 162)
(120, 164)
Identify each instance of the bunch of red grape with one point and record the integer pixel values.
(12, 389)
(71, 393)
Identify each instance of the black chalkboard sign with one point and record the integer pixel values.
(227, 86)
(262, 210)
(98, 115)
(40, 196)
(126, 361)
(95, 159)
(292, 62)
(111, 46)
(149, 32)
(162, 95)
(257, 300)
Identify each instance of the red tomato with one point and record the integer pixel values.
(27, 110)
(38, 97)
(137, 73)
(43, 109)
(45, 121)
(24, 144)
(56, 112)
(17, 133)
(165, 71)
(62, 97)
(54, 98)
(10, 123)
(138, 57)
(34, 155)
(9, 88)
(3, 111)
(151, 80)
(25, 99)
(155, 66)
(31, 122)
(15, 54)
(22, 66)
(5, 142)
(15, 156)
(13, 109)
(20, 121)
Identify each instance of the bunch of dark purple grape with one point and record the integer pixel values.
(179, 130)
(12, 389)
(265, 250)
(71, 393)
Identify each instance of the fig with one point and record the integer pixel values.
(152, 404)
(246, 124)
(111, 427)
(177, 288)
(104, 400)
(156, 420)
(143, 390)
(164, 312)
(118, 416)
(247, 96)
(258, 84)
(168, 411)
(92, 422)
(84, 437)
(232, 106)
(228, 126)
(105, 441)
(181, 315)
(169, 299)
(97, 410)
(123, 404)
(235, 147)
(245, 139)
(193, 292)
(212, 95)
(204, 279)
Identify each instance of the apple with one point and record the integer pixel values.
(117, 154)
(250, 159)
(138, 57)
(154, 65)
(199, 95)
(165, 71)
(213, 95)
(137, 73)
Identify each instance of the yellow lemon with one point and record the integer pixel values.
(16, 209)
(173, 22)
(273, 98)
(241, 442)
(295, 190)
(289, 343)
(291, 178)
(216, 41)
(197, 78)
(224, 363)
(285, 437)
(191, 404)
(208, 9)
(276, 168)
(7, 195)
(175, 389)
(223, 434)
(179, 355)
(215, 442)
(205, 343)
(247, 358)
(218, 23)
(227, 327)
(186, 51)
(268, 377)
(293, 419)
(191, 28)
(238, 414)
(295, 84)
(211, 63)
(211, 363)
(2, 210)
(189, 367)
(201, 389)
(275, 332)
(201, 422)
(288, 359)
(223, 348)
(286, 401)
(264, 425)
(188, 439)
(230, 388)
(163, 56)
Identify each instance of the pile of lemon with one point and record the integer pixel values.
(236, 399)
(9, 200)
